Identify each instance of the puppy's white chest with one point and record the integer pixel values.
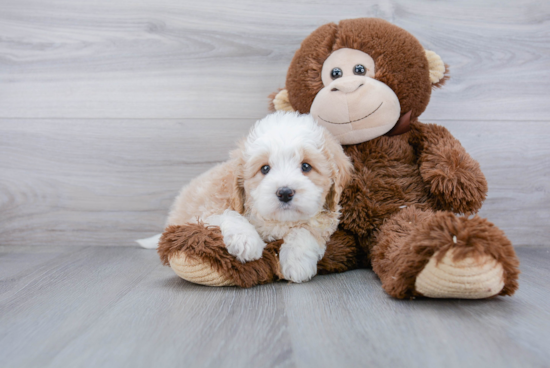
(271, 230)
(321, 227)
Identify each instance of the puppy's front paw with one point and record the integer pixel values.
(240, 237)
(246, 247)
(299, 256)
(297, 268)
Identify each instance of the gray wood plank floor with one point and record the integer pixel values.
(117, 306)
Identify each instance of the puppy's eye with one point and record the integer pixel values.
(306, 167)
(265, 169)
(336, 73)
(359, 70)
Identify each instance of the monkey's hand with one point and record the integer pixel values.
(452, 176)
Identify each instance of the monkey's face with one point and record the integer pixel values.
(361, 78)
(353, 105)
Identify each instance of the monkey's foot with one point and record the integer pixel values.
(468, 278)
(471, 259)
(441, 255)
(197, 253)
(198, 271)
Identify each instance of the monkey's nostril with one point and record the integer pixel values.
(334, 90)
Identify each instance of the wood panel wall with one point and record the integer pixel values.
(108, 107)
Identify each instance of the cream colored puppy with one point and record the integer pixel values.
(284, 182)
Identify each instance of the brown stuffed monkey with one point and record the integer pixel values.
(406, 212)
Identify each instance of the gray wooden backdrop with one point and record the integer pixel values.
(108, 107)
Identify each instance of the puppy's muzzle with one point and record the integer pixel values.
(285, 194)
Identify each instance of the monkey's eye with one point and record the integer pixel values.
(306, 167)
(359, 70)
(336, 73)
(265, 169)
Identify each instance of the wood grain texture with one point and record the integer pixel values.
(117, 306)
(95, 182)
(220, 59)
(354, 324)
(515, 158)
(109, 182)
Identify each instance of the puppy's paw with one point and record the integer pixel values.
(246, 247)
(240, 237)
(297, 268)
(299, 256)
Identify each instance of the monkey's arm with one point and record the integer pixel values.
(451, 175)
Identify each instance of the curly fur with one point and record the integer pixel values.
(243, 201)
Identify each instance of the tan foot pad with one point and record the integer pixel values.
(198, 272)
(469, 278)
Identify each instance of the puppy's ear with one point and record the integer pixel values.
(237, 198)
(342, 170)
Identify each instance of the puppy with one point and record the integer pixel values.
(283, 182)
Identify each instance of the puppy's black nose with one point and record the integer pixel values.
(285, 194)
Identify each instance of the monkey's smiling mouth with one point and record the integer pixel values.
(353, 121)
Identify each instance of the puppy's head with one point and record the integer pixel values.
(289, 168)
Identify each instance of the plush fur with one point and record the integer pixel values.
(410, 195)
(407, 241)
(400, 62)
(205, 243)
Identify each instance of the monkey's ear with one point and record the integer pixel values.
(439, 71)
(279, 101)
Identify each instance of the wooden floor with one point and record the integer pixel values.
(117, 306)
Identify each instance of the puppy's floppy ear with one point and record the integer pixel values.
(237, 199)
(237, 196)
(341, 170)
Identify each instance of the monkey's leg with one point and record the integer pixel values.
(342, 254)
(441, 255)
(197, 253)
